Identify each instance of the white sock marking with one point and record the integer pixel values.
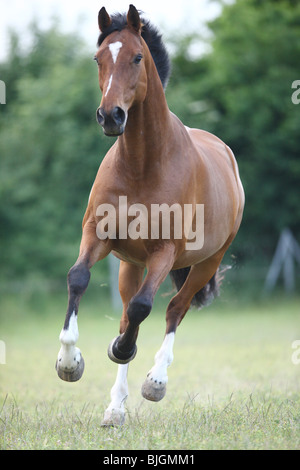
(115, 413)
(119, 392)
(70, 336)
(163, 359)
(69, 356)
(114, 48)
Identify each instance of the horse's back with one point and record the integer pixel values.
(219, 160)
(218, 187)
(211, 148)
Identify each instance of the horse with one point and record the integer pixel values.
(155, 163)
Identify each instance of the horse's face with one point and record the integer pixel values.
(122, 78)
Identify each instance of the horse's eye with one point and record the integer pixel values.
(96, 59)
(138, 58)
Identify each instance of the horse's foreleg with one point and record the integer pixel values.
(70, 363)
(123, 348)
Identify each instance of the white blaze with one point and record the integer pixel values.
(109, 85)
(114, 48)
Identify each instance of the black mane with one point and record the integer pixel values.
(153, 39)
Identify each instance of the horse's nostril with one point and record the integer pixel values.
(118, 115)
(100, 116)
(113, 123)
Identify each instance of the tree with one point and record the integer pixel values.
(50, 148)
(241, 91)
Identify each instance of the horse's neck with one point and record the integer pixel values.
(147, 133)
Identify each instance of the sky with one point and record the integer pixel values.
(80, 15)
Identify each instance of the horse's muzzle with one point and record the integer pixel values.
(114, 122)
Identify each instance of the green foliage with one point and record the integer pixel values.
(51, 146)
(241, 91)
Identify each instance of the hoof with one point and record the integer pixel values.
(71, 375)
(113, 418)
(116, 355)
(153, 390)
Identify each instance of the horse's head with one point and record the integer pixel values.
(122, 72)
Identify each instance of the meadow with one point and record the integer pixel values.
(232, 385)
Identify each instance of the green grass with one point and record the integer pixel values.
(232, 384)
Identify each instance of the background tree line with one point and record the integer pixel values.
(51, 145)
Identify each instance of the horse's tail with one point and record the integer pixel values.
(205, 295)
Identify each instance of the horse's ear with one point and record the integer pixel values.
(133, 19)
(104, 20)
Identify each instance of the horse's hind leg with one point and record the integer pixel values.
(154, 387)
(115, 412)
(70, 363)
(130, 279)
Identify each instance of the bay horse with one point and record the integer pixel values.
(155, 162)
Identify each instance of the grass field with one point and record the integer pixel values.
(232, 384)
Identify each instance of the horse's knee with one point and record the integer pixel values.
(138, 309)
(78, 279)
